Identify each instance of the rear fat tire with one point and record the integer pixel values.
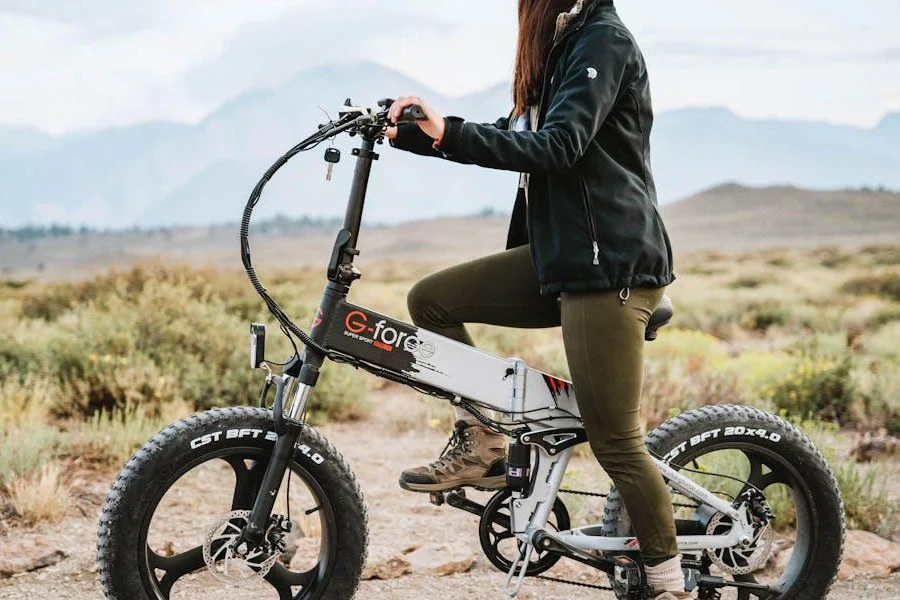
(150, 472)
(676, 440)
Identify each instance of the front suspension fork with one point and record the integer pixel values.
(288, 429)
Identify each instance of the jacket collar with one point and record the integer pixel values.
(578, 15)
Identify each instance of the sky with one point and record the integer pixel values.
(80, 66)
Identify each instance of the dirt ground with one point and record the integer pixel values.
(397, 519)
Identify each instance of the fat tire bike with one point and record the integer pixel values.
(254, 532)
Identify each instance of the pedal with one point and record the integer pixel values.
(437, 498)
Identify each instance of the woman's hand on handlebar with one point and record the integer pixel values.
(433, 126)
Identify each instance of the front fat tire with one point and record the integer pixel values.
(677, 438)
(151, 470)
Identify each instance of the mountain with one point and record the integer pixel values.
(727, 217)
(732, 215)
(171, 173)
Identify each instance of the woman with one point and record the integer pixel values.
(586, 249)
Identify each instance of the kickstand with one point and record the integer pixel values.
(512, 587)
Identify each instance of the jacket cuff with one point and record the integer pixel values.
(411, 138)
(453, 129)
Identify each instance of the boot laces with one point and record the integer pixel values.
(457, 446)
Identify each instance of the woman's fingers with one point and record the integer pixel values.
(433, 126)
(401, 103)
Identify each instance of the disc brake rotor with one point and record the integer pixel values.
(221, 559)
(741, 560)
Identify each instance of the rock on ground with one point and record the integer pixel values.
(24, 554)
(868, 554)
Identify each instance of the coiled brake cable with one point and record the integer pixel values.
(325, 132)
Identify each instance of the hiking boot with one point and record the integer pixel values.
(475, 456)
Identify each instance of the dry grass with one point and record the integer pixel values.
(40, 497)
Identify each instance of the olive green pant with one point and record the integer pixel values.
(604, 342)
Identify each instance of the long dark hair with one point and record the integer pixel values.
(537, 23)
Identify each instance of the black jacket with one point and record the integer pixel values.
(591, 214)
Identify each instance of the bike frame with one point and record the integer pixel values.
(541, 408)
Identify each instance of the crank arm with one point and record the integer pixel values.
(459, 500)
(548, 542)
(763, 591)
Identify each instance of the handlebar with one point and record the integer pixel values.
(412, 113)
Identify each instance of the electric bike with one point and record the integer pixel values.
(254, 534)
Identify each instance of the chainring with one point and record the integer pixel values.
(222, 561)
(494, 528)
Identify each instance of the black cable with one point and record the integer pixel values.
(682, 468)
(288, 326)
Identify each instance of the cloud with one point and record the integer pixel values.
(96, 15)
(262, 54)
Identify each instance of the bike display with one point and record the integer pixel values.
(284, 517)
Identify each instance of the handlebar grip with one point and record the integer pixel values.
(412, 113)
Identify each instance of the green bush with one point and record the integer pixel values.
(817, 385)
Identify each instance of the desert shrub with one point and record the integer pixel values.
(817, 385)
(156, 337)
(42, 496)
(50, 301)
(26, 401)
(833, 257)
(669, 389)
(883, 342)
(888, 314)
(882, 255)
(340, 395)
(867, 502)
(879, 385)
(884, 285)
(760, 316)
(780, 261)
(16, 359)
(115, 435)
(694, 349)
(702, 270)
(751, 281)
(25, 450)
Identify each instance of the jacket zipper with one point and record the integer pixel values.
(592, 227)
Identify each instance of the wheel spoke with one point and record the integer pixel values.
(756, 478)
(176, 566)
(247, 481)
(283, 579)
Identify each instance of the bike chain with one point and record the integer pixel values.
(599, 495)
(575, 583)
(582, 584)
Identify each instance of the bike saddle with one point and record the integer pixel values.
(661, 316)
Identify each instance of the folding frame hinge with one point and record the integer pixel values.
(516, 373)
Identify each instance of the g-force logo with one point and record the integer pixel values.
(383, 336)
